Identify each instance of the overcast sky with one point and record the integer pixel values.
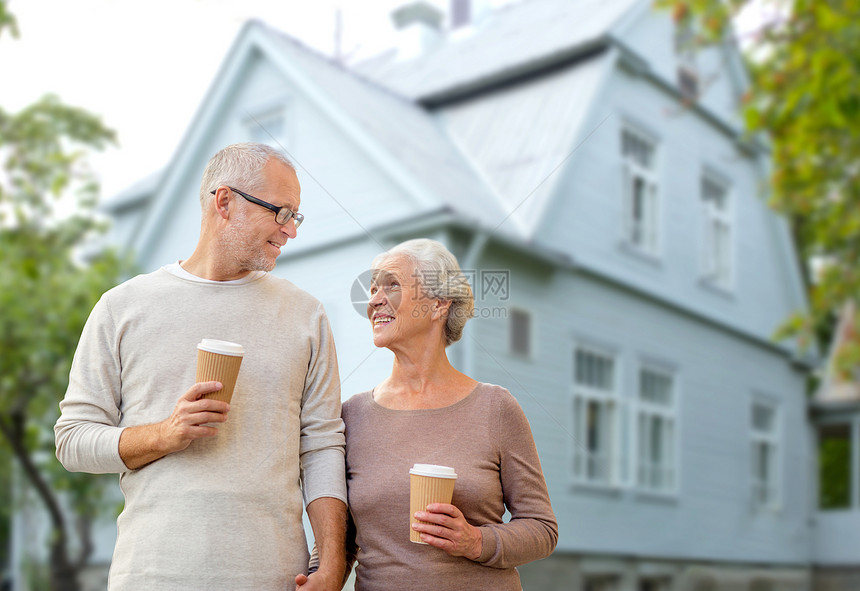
(145, 66)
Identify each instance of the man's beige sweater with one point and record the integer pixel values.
(225, 513)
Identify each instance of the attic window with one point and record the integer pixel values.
(268, 125)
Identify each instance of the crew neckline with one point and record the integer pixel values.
(176, 270)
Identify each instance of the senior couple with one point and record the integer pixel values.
(214, 495)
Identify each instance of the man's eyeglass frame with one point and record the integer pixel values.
(283, 215)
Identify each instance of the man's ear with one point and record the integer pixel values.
(221, 201)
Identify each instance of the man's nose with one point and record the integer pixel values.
(290, 228)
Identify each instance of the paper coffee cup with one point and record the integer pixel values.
(219, 361)
(428, 483)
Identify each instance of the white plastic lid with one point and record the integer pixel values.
(433, 470)
(222, 347)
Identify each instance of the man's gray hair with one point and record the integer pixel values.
(240, 166)
(440, 277)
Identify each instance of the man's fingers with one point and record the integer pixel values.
(200, 431)
(201, 388)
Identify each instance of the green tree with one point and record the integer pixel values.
(804, 97)
(47, 289)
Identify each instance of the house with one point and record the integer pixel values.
(589, 170)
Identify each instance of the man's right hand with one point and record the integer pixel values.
(190, 420)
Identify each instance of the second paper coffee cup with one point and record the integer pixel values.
(428, 483)
(219, 361)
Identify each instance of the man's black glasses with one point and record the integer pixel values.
(282, 214)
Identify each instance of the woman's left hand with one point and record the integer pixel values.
(448, 529)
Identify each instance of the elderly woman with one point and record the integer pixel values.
(428, 412)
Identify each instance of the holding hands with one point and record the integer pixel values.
(318, 582)
(448, 530)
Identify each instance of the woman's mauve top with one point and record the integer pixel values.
(486, 438)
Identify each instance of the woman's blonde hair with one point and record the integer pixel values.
(440, 277)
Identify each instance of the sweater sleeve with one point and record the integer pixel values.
(532, 532)
(322, 440)
(87, 432)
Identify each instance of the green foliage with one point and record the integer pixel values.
(834, 466)
(804, 96)
(7, 20)
(48, 285)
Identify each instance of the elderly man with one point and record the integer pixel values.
(214, 490)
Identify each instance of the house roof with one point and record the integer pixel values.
(415, 143)
(516, 39)
(405, 132)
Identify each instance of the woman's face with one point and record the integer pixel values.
(398, 309)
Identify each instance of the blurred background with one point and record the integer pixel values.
(656, 205)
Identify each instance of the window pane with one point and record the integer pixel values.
(763, 418)
(637, 149)
(593, 370)
(655, 387)
(657, 444)
(834, 466)
(714, 195)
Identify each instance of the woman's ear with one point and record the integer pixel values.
(441, 308)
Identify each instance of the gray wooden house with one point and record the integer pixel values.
(589, 169)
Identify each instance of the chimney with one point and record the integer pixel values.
(419, 27)
(469, 13)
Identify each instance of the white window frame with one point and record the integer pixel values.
(766, 493)
(646, 412)
(718, 234)
(603, 467)
(641, 231)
